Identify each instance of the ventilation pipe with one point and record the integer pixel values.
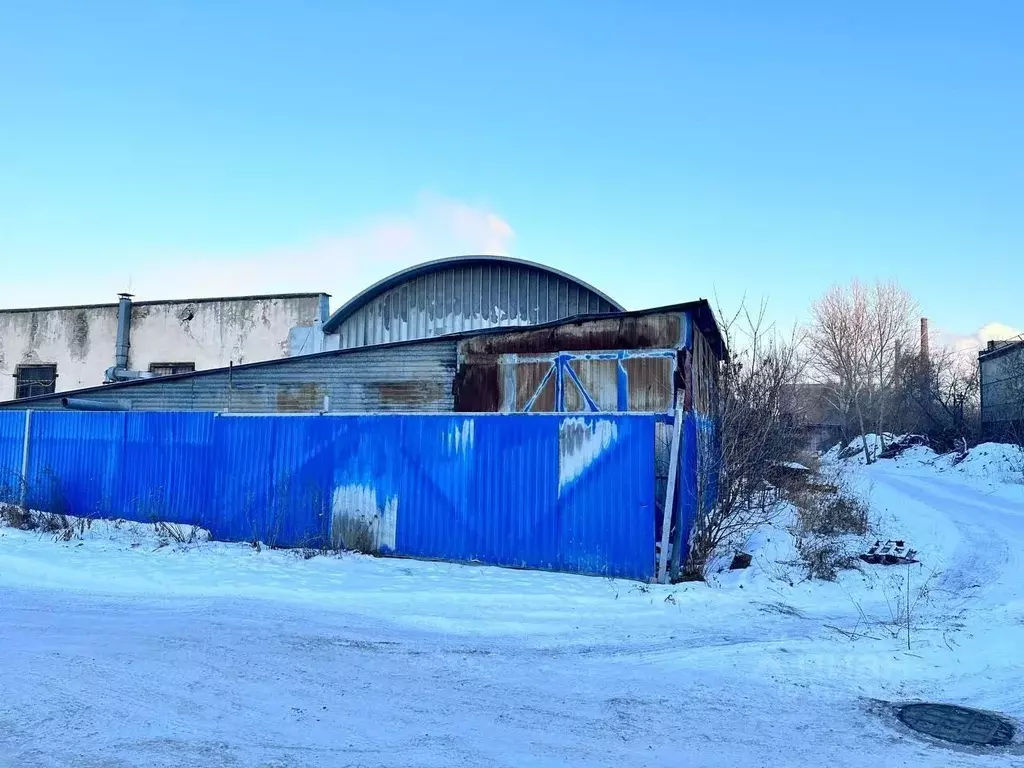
(119, 371)
(124, 331)
(83, 404)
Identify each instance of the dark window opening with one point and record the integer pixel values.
(33, 380)
(170, 369)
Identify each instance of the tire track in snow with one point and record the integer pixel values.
(991, 531)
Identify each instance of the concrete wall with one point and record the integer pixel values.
(207, 332)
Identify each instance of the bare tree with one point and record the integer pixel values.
(752, 436)
(892, 312)
(940, 397)
(855, 341)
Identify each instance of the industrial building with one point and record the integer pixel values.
(56, 349)
(621, 361)
(465, 337)
(1002, 390)
(472, 333)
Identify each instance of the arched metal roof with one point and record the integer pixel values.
(463, 293)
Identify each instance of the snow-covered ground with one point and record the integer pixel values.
(117, 653)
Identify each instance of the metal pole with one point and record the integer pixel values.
(24, 459)
(670, 491)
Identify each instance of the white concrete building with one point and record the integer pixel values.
(55, 349)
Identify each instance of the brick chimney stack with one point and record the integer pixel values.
(925, 349)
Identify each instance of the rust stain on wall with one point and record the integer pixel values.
(300, 398)
(643, 332)
(600, 379)
(399, 394)
(650, 383)
(476, 388)
(528, 378)
(481, 381)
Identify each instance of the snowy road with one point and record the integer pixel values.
(121, 656)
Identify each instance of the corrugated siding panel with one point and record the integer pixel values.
(272, 480)
(600, 379)
(407, 379)
(467, 297)
(12, 436)
(166, 469)
(650, 383)
(698, 473)
(544, 491)
(75, 462)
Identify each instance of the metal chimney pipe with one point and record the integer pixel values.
(124, 331)
(925, 350)
(84, 404)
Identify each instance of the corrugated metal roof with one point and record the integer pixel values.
(460, 294)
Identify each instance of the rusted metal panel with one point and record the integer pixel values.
(650, 383)
(397, 379)
(661, 330)
(600, 380)
(300, 398)
(534, 386)
(476, 389)
(597, 381)
(408, 394)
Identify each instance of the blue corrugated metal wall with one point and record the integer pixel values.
(543, 491)
(698, 472)
(12, 436)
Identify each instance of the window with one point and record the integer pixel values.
(170, 369)
(35, 380)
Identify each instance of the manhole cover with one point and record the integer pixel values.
(957, 724)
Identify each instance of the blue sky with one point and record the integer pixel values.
(659, 150)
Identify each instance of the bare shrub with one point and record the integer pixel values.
(181, 534)
(16, 516)
(63, 527)
(906, 594)
(824, 557)
(831, 513)
(752, 436)
(53, 522)
(830, 521)
(319, 543)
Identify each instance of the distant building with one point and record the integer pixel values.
(56, 349)
(1002, 390)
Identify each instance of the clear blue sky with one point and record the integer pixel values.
(660, 150)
